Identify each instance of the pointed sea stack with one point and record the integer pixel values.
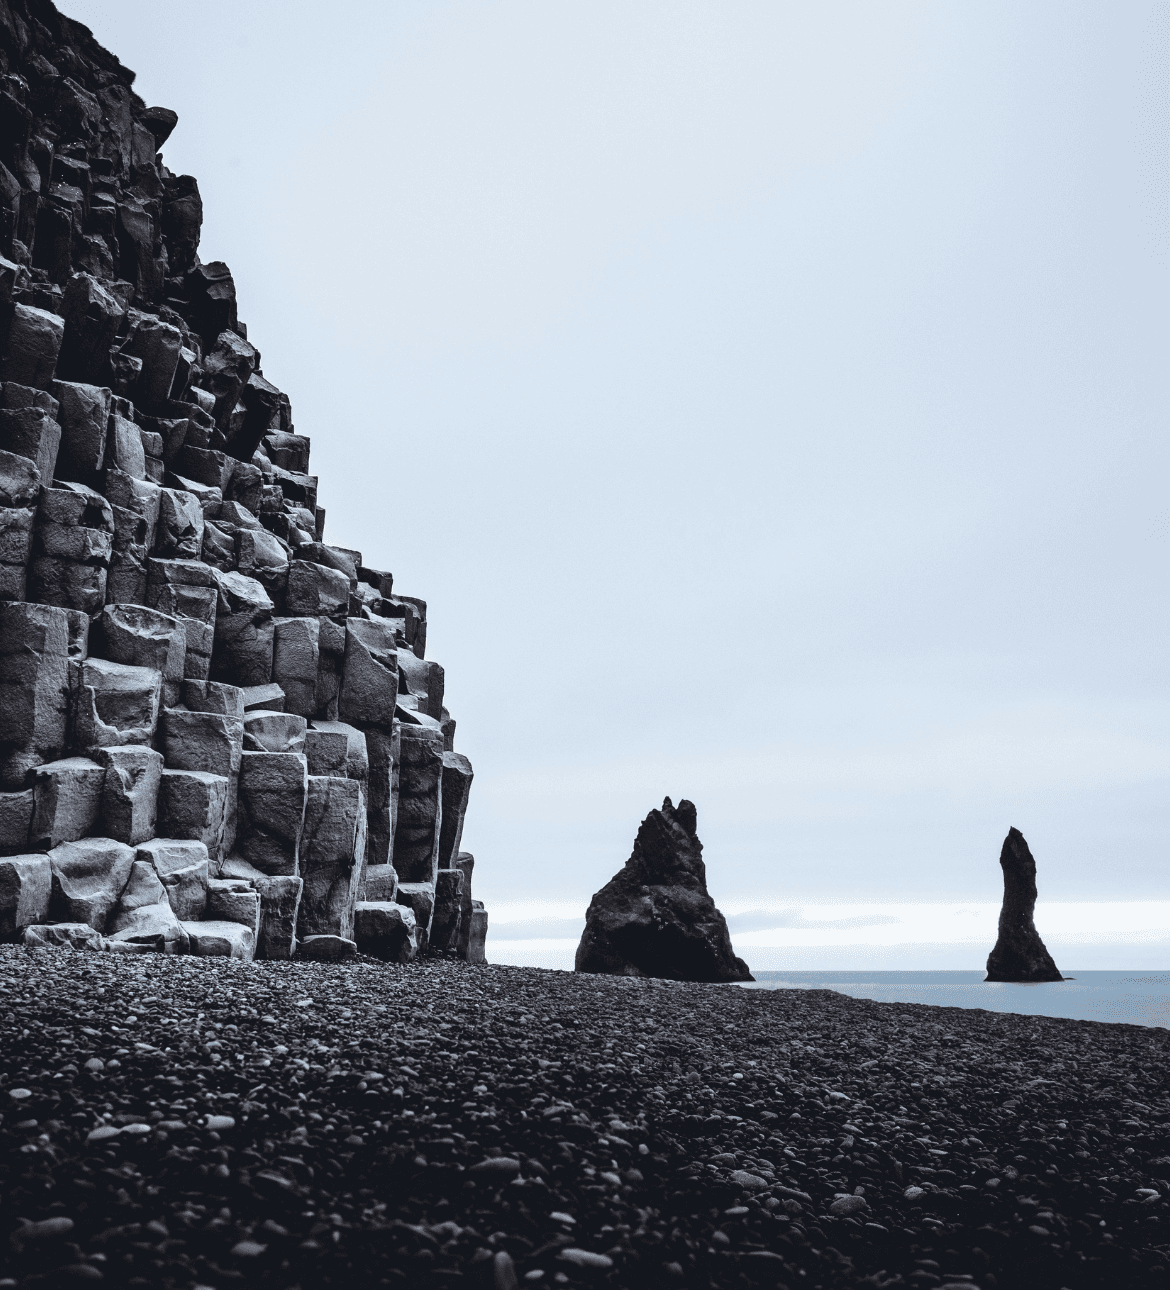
(1019, 954)
(654, 917)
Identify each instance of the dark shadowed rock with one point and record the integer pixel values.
(654, 918)
(1019, 954)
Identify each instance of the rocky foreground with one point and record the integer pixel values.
(170, 1121)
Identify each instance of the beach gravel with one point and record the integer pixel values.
(180, 1122)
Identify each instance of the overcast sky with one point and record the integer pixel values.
(769, 400)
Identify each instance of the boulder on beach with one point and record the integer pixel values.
(654, 918)
(1019, 953)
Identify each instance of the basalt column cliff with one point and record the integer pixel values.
(219, 734)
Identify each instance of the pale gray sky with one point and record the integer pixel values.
(769, 400)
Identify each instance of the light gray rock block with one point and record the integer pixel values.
(424, 680)
(243, 632)
(465, 863)
(384, 748)
(34, 688)
(419, 898)
(295, 660)
(444, 931)
(276, 732)
(67, 797)
(234, 900)
(327, 752)
(88, 879)
(457, 777)
(217, 939)
(130, 792)
(140, 637)
(325, 948)
(208, 741)
(369, 682)
(332, 848)
(16, 816)
(214, 696)
(143, 914)
(179, 534)
(280, 900)
(26, 884)
(267, 698)
(477, 941)
(385, 930)
(192, 804)
(64, 936)
(315, 591)
(181, 865)
(187, 590)
(115, 705)
(272, 797)
(357, 763)
(417, 830)
(84, 414)
(381, 882)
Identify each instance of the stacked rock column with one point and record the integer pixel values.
(219, 734)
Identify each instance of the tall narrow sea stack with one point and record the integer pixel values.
(1019, 953)
(655, 917)
(219, 733)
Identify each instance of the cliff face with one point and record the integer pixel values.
(218, 732)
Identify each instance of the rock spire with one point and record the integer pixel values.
(654, 917)
(1019, 953)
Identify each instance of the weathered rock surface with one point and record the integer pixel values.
(178, 639)
(192, 804)
(143, 914)
(182, 868)
(67, 801)
(26, 883)
(88, 879)
(385, 930)
(444, 931)
(655, 917)
(419, 898)
(333, 847)
(273, 792)
(130, 792)
(216, 939)
(1019, 953)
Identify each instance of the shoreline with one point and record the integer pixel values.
(645, 1133)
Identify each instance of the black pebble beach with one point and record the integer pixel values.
(182, 1122)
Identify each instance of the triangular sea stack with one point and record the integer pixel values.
(1019, 954)
(654, 917)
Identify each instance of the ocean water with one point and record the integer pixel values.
(1135, 998)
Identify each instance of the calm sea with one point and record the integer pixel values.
(1136, 998)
